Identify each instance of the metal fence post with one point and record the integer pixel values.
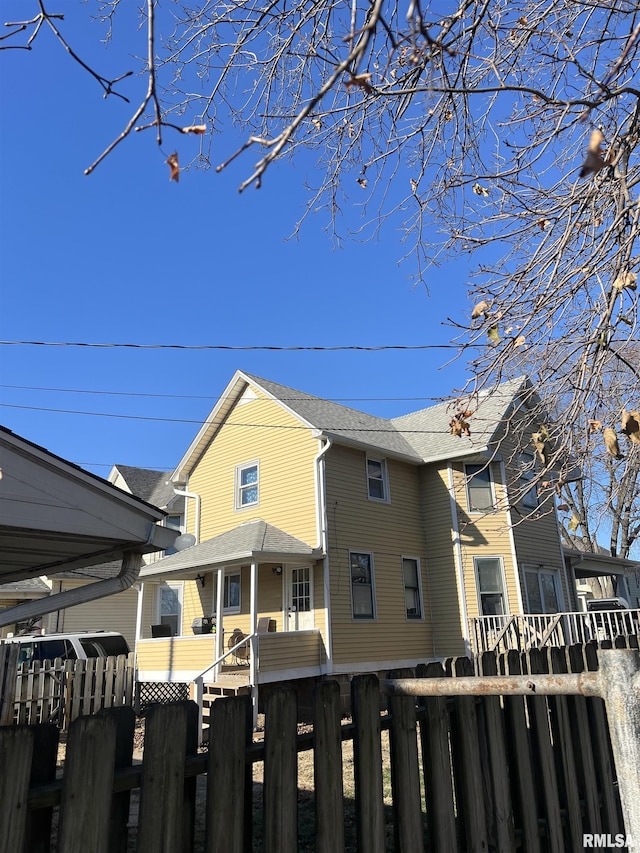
(620, 686)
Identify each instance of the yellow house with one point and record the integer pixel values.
(323, 541)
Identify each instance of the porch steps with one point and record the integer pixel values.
(228, 684)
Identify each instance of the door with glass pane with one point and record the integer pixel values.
(543, 594)
(299, 598)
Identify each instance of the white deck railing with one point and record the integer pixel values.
(535, 630)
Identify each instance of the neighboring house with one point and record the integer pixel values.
(56, 517)
(599, 575)
(11, 594)
(372, 544)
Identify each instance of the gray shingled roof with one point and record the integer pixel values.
(152, 486)
(93, 573)
(28, 585)
(428, 429)
(343, 422)
(253, 540)
(423, 436)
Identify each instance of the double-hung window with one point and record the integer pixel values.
(362, 589)
(175, 523)
(230, 595)
(479, 488)
(527, 481)
(490, 578)
(411, 579)
(170, 606)
(377, 482)
(247, 485)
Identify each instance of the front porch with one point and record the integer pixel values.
(503, 633)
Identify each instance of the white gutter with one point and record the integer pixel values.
(183, 493)
(131, 564)
(321, 527)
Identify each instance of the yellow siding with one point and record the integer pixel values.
(445, 611)
(293, 650)
(484, 534)
(259, 430)
(389, 530)
(112, 613)
(177, 653)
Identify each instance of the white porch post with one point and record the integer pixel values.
(139, 587)
(253, 627)
(219, 625)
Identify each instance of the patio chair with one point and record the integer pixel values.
(241, 655)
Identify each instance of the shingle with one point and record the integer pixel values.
(34, 585)
(253, 539)
(152, 486)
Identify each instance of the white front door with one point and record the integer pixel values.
(299, 598)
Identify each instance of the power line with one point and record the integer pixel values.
(239, 348)
(212, 397)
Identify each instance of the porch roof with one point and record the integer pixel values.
(587, 564)
(255, 540)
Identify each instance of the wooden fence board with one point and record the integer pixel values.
(43, 770)
(519, 737)
(603, 755)
(190, 784)
(502, 812)
(436, 764)
(281, 772)
(367, 755)
(87, 787)
(405, 772)
(16, 750)
(564, 734)
(328, 776)
(539, 713)
(160, 821)
(468, 767)
(226, 775)
(125, 721)
(8, 672)
(583, 752)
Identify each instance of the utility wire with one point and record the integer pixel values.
(240, 348)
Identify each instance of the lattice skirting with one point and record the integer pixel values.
(159, 693)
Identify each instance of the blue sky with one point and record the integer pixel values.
(125, 255)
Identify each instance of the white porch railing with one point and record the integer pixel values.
(534, 630)
(198, 681)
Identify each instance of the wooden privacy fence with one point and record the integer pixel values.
(59, 691)
(473, 773)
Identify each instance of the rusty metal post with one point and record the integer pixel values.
(620, 689)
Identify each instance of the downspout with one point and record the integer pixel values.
(131, 564)
(321, 528)
(183, 493)
(457, 549)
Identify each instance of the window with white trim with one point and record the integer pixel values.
(170, 606)
(175, 522)
(412, 587)
(231, 595)
(362, 588)
(247, 485)
(543, 590)
(490, 580)
(377, 481)
(479, 488)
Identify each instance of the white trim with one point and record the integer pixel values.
(176, 675)
(319, 474)
(374, 615)
(505, 597)
(457, 556)
(178, 585)
(468, 478)
(380, 460)
(539, 569)
(287, 571)
(412, 619)
(229, 572)
(243, 466)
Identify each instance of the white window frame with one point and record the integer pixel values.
(238, 486)
(384, 479)
(481, 469)
(557, 582)
(226, 586)
(527, 473)
(503, 591)
(178, 587)
(179, 527)
(420, 616)
(372, 585)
